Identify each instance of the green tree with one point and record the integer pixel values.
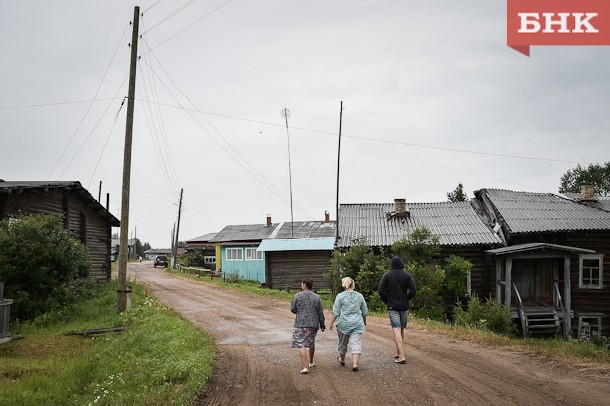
(141, 248)
(439, 284)
(361, 264)
(40, 264)
(596, 175)
(420, 251)
(457, 195)
(420, 247)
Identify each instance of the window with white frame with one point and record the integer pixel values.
(209, 259)
(589, 326)
(234, 254)
(591, 271)
(253, 255)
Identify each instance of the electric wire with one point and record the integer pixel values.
(27, 106)
(174, 13)
(157, 2)
(157, 129)
(163, 133)
(189, 26)
(448, 167)
(106, 143)
(269, 186)
(382, 140)
(90, 105)
(92, 131)
(158, 152)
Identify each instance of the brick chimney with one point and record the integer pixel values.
(268, 220)
(587, 193)
(326, 217)
(400, 208)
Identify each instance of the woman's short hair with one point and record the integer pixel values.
(308, 282)
(347, 283)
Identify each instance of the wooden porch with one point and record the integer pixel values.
(533, 280)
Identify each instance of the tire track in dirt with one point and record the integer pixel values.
(257, 366)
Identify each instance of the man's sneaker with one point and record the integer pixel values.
(304, 370)
(311, 365)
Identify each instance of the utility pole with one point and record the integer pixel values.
(286, 113)
(338, 161)
(171, 245)
(177, 229)
(122, 273)
(99, 195)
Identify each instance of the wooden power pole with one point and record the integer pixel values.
(175, 252)
(338, 166)
(123, 243)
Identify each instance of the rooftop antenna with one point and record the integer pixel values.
(285, 113)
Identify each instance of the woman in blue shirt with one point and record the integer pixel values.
(349, 311)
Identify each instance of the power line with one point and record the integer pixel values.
(189, 26)
(379, 140)
(27, 106)
(184, 6)
(163, 145)
(256, 175)
(90, 105)
(450, 168)
(91, 132)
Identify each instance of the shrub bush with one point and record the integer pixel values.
(40, 264)
(487, 315)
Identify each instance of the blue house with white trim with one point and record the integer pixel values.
(277, 254)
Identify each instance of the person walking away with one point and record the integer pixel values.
(309, 318)
(396, 289)
(349, 310)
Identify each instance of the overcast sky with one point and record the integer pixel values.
(432, 97)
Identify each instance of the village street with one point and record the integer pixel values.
(257, 366)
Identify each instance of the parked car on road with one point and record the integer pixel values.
(161, 260)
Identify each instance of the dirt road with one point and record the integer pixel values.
(257, 365)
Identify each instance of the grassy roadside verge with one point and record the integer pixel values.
(160, 359)
(575, 352)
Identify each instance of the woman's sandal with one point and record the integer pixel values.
(339, 361)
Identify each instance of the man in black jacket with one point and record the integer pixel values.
(396, 289)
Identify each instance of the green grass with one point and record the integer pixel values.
(160, 359)
(576, 352)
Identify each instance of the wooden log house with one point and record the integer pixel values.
(85, 218)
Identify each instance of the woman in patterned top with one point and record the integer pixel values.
(309, 317)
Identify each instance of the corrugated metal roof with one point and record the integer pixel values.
(600, 202)
(526, 212)
(244, 232)
(258, 232)
(298, 244)
(455, 224)
(202, 238)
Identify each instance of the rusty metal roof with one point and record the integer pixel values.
(456, 224)
(258, 232)
(298, 244)
(526, 212)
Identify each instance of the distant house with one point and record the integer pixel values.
(298, 250)
(206, 247)
(277, 254)
(461, 231)
(85, 218)
(555, 260)
(236, 251)
(153, 252)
